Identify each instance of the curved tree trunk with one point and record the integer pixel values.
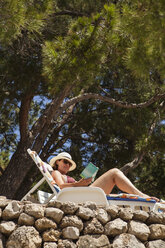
(15, 172)
(21, 163)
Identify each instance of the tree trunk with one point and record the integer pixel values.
(18, 167)
(21, 163)
(30, 178)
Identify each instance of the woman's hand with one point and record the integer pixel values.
(83, 182)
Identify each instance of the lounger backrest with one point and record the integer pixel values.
(44, 168)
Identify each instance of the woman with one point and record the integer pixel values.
(63, 163)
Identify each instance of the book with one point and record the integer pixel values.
(89, 171)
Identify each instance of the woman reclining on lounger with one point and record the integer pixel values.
(63, 163)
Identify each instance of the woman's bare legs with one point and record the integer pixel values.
(115, 177)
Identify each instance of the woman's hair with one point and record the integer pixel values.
(55, 166)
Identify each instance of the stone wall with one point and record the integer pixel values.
(59, 225)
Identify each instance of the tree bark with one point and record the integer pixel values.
(47, 149)
(133, 164)
(15, 172)
(29, 179)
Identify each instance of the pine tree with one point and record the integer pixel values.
(55, 54)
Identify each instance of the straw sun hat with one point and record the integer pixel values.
(63, 155)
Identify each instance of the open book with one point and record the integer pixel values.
(89, 171)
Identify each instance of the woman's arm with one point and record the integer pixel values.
(57, 176)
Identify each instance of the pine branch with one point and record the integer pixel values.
(71, 13)
(133, 164)
(55, 133)
(23, 115)
(121, 104)
(57, 107)
(1, 170)
(41, 126)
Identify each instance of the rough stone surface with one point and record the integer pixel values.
(93, 227)
(93, 241)
(54, 213)
(50, 245)
(44, 223)
(103, 216)
(35, 210)
(51, 235)
(91, 205)
(157, 231)
(113, 211)
(4, 202)
(24, 236)
(72, 221)
(69, 207)
(140, 230)
(156, 218)
(12, 210)
(66, 244)
(71, 232)
(85, 213)
(140, 215)
(126, 214)
(25, 219)
(156, 244)
(115, 227)
(126, 240)
(55, 204)
(7, 227)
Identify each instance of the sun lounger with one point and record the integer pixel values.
(84, 194)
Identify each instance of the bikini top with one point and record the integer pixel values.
(69, 179)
